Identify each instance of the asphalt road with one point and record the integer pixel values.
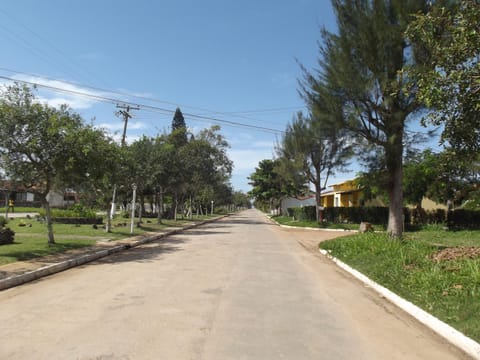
(240, 288)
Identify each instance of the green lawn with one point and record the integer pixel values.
(450, 290)
(20, 210)
(31, 236)
(288, 220)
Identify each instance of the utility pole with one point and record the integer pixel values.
(125, 112)
(126, 115)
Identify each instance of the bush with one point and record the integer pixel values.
(78, 220)
(306, 213)
(462, 219)
(356, 215)
(3, 222)
(6, 236)
(77, 211)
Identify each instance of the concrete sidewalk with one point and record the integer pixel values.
(21, 272)
(12, 215)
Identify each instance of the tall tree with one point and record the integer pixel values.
(363, 66)
(179, 128)
(316, 149)
(450, 83)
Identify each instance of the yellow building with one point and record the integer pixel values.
(344, 194)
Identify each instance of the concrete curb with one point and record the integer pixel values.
(450, 334)
(309, 228)
(51, 269)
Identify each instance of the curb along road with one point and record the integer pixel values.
(32, 275)
(468, 345)
(455, 337)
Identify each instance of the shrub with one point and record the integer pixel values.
(463, 219)
(78, 220)
(356, 215)
(6, 236)
(306, 213)
(77, 211)
(3, 221)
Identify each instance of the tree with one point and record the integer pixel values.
(162, 166)
(206, 164)
(456, 179)
(450, 83)
(41, 145)
(420, 172)
(140, 163)
(179, 128)
(315, 149)
(241, 200)
(362, 67)
(99, 166)
(267, 188)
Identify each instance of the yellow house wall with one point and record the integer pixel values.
(346, 186)
(351, 199)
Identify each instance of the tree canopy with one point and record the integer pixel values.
(312, 150)
(449, 84)
(43, 146)
(361, 68)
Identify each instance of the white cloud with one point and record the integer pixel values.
(48, 92)
(76, 103)
(116, 126)
(245, 161)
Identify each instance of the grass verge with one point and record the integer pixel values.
(31, 236)
(449, 290)
(288, 220)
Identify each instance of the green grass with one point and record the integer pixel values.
(21, 210)
(31, 239)
(450, 290)
(288, 220)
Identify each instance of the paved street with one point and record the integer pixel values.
(240, 288)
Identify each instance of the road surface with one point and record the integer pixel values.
(240, 288)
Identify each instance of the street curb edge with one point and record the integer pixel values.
(16, 280)
(468, 345)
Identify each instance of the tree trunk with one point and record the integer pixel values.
(48, 215)
(140, 211)
(318, 193)
(108, 225)
(395, 191)
(190, 210)
(175, 209)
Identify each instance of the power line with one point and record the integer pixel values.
(237, 114)
(115, 101)
(71, 66)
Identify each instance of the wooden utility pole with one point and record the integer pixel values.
(125, 112)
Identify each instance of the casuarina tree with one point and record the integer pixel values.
(363, 67)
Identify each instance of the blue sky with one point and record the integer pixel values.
(230, 60)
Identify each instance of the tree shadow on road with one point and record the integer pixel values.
(148, 252)
(242, 221)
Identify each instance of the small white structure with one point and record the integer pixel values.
(60, 200)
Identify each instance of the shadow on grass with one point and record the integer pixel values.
(29, 254)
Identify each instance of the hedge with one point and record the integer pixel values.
(463, 219)
(78, 220)
(455, 220)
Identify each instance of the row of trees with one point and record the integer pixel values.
(391, 62)
(45, 148)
